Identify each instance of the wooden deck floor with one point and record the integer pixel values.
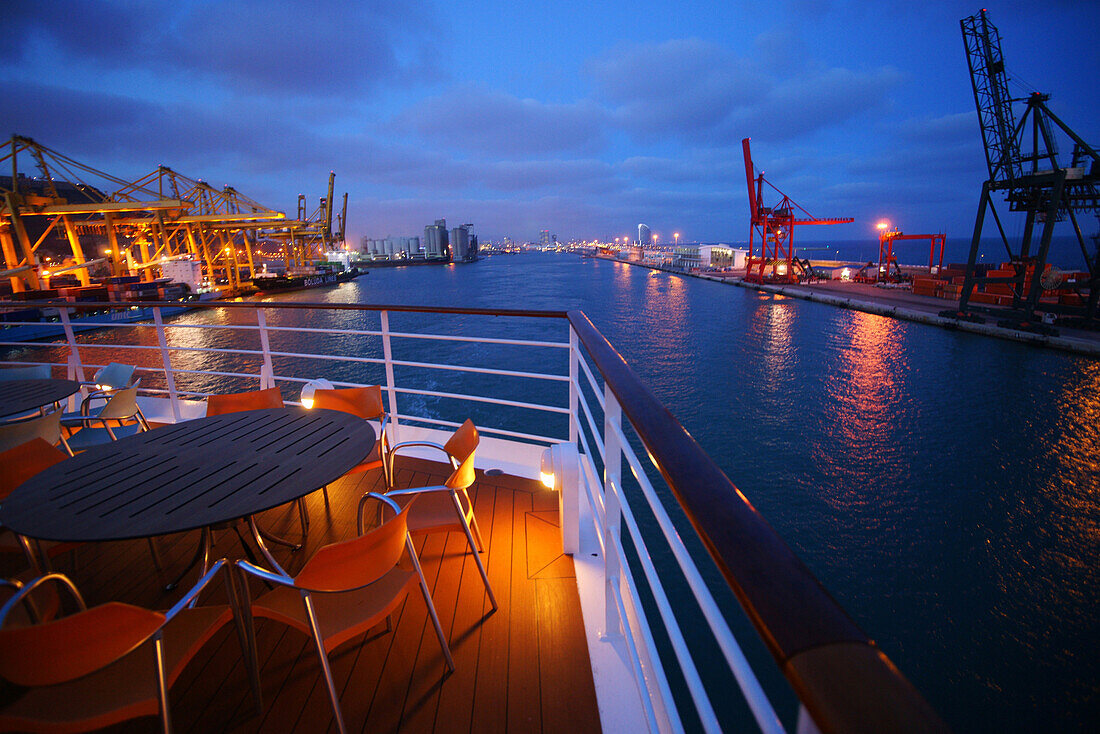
(523, 668)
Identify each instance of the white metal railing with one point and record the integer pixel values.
(603, 443)
(625, 617)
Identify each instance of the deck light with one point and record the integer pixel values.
(311, 387)
(560, 471)
(547, 472)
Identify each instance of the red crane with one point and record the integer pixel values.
(888, 264)
(774, 227)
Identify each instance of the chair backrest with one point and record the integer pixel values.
(463, 476)
(365, 402)
(114, 375)
(20, 463)
(240, 401)
(66, 649)
(463, 441)
(352, 564)
(33, 372)
(47, 427)
(121, 405)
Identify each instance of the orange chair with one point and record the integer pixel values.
(17, 465)
(345, 589)
(365, 402)
(103, 665)
(241, 401)
(447, 507)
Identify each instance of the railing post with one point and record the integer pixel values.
(76, 369)
(387, 354)
(267, 372)
(574, 407)
(169, 376)
(612, 483)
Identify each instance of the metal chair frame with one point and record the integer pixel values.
(472, 532)
(157, 635)
(87, 418)
(283, 579)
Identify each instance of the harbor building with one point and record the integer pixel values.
(644, 237)
(435, 239)
(691, 257)
(392, 247)
(463, 244)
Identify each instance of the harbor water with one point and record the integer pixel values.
(944, 487)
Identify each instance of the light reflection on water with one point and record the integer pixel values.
(942, 486)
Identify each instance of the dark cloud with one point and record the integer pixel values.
(698, 91)
(582, 176)
(314, 48)
(129, 137)
(705, 167)
(475, 120)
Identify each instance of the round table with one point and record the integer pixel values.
(188, 475)
(22, 396)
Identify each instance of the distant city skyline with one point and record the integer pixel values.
(426, 109)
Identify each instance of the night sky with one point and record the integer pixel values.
(584, 118)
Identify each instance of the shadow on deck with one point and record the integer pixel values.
(523, 668)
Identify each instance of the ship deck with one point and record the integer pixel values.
(524, 667)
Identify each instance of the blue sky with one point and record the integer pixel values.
(584, 118)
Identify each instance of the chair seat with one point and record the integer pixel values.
(341, 615)
(75, 417)
(434, 512)
(92, 436)
(120, 691)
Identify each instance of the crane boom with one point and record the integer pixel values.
(991, 97)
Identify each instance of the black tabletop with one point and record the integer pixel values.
(20, 396)
(188, 475)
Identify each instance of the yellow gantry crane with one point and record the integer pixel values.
(161, 215)
(24, 197)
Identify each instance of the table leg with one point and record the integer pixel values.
(203, 552)
(241, 604)
(35, 555)
(256, 535)
(281, 541)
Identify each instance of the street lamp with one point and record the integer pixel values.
(676, 238)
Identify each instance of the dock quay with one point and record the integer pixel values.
(900, 304)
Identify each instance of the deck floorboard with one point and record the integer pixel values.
(522, 668)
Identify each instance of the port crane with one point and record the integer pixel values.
(1022, 160)
(774, 228)
(143, 222)
(888, 269)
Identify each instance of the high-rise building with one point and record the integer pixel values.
(545, 238)
(644, 238)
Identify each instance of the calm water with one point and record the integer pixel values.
(942, 486)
